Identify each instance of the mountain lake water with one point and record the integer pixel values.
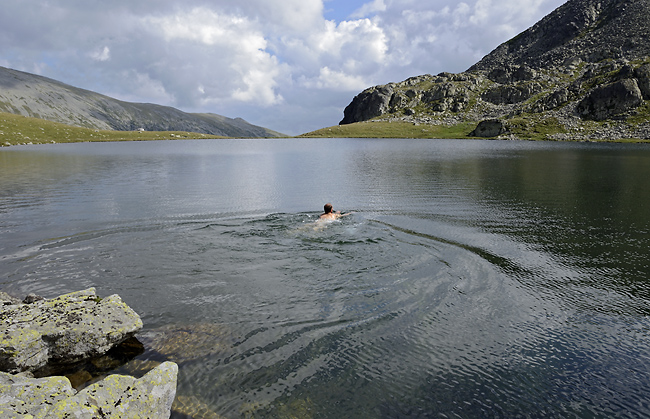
(473, 279)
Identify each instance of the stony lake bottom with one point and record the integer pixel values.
(474, 278)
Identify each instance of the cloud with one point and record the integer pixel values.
(369, 9)
(279, 63)
(329, 79)
(233, 44)
(101, 55)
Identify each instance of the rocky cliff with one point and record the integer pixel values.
(35, 96)
(582, 72)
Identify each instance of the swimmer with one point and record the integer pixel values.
(329, 213)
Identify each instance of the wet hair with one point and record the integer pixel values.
(328, 208)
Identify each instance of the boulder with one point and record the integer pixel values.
(368, 104)
(22, 396)
(642, 75)
(117, 396)
(63, 330)
(489, 128)
(6, 299)
(611, 100)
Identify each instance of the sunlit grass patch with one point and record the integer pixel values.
(394, 129)
(18, 129)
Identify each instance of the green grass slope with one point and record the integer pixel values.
(17, 129)
(392, 129)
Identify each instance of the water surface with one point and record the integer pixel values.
(474, 279)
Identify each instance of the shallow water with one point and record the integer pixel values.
(474, 279)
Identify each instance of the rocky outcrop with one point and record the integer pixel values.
(511, 93)
(586, 30)
(611, 100)
(587, 61)
(116, 396)
(368, 104)
(642, 75)
(63, 330)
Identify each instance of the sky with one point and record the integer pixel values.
(289, 65)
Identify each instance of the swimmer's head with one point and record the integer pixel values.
(328, 208)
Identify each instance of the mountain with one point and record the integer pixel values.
(40, 97)
(582, 72)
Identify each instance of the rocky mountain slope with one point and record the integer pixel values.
(582, 72)
(35, 96)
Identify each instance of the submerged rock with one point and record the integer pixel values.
(182, 343)
(116, 396)
(63, 330)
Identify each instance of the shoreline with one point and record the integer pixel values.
(16, 130)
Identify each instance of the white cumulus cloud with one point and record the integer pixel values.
(102, 55)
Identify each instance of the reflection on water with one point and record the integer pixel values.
(475, 278)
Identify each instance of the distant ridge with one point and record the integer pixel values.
(581, 73)
(40, 97)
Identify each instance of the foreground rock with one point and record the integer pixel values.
(117, 396)
(63, 330)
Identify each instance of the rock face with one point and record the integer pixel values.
(614, 99)
(589, 60)
(116, 396)
(63, 330)
(579, 30)
(368, 104)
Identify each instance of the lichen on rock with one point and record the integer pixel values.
(64, 329)
(117, 396)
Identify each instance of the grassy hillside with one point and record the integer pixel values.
(40, 97)
(16, 129)
(530, 127)
(392, 129)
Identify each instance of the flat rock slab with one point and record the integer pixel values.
(117, 396)
(63, 330)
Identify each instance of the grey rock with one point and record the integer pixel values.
(440, 91)
(368, 104)
(21, 396)
(489, 129)
(511, 94)
(404, 99)
(6, 299)
(588, 59)
(509, 74)
(552, 101)
(589, 30)
(642, 75)
(63, 330)
(32, 298)
(611, 100)
(116, 396)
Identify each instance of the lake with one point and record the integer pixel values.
(473, 279)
